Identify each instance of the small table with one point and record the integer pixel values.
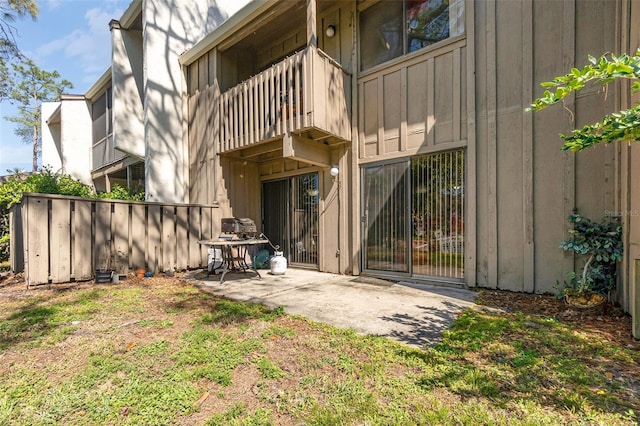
(234, 254)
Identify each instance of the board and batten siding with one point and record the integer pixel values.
(526, 187)
(522, 186)
(414, 106)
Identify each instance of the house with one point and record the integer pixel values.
(386, 138)
(125, 110)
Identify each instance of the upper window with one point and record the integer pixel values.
(389, 29)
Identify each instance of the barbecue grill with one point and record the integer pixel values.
(238, 228)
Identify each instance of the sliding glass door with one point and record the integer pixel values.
(413, 216)
(385, 220)
(290, 217)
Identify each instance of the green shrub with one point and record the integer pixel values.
(47, 182)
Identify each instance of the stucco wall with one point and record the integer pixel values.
(76, 139)
(66, 142)
(127, 78)
(167, 32)
(51, 149)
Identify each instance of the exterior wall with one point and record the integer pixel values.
(167, 32)
(234, 184)
(66, 143)
(415, 105)
(525, 186)
(127, 80)
(76, 145)
(51, 143)
(467, 92)
(629, 170)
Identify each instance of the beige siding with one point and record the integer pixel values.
(526, 186)
(416, 105)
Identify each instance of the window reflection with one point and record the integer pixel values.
(427, 22)
(381, 33)
(389, 29)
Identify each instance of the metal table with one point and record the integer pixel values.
(234, 254)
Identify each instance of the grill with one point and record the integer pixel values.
(239, 228)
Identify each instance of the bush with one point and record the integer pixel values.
(600, 244)
(47, 182)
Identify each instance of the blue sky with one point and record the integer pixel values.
(71, 37)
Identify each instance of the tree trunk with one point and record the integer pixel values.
(35, 148)
(35, 133)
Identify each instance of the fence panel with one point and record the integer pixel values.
(60, 268)
(154, 234)
(138, 248)
(67, 238)
(182, 231)
(36, 223)
(81, 264)
(168, 238)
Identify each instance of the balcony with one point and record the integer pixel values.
(305, 97)
(104, 153)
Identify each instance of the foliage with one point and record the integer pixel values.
(600, 243)
(5, 83)
(620, 126)
(47, 182)
(9, 11)
(31, 87)
(120, 193)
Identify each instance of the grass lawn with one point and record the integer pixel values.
(160, 351)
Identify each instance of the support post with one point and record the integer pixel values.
(312, 33)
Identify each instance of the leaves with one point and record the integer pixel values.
(621, 126)
(31, 87)
(9, 11)
(601, 243)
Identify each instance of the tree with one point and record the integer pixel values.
(32, 87)
(5, 83)
(620, 126)
(9, 11)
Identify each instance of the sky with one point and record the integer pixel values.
(71, 37)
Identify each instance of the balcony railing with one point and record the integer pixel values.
(104, 153)
(307, 90)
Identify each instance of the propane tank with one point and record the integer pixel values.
(278, 264)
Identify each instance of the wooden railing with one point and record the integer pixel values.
(57, 239)
(305, 90)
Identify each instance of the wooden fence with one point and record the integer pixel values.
(56, 239)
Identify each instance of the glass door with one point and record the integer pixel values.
(437, 214)
(290, 217)
(275, 220)
(385, 206)
(413, 216)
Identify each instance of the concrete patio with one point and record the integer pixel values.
(412, 314)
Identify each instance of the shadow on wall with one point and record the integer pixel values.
(169, 32)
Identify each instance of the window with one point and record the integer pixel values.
(389, 29)
(414, 216)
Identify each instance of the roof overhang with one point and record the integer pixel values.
(236, 27)
(101, 83)
(129, 16)
(54, 118)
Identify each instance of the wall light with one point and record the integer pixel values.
(331, 31)
(334, 171)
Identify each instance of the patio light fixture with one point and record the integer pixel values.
(334, 171)
(330, 31)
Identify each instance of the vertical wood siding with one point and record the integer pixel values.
(417, 105)
(526, 186)
(68, 238)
